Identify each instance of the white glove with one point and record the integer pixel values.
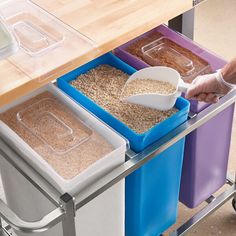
(209, 88)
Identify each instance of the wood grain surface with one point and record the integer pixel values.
(109, 23)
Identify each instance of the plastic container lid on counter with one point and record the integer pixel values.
(160, 53)
(61, 140)
(47, 46)
(8, 43)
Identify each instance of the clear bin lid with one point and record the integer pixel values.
(160, 52)
(8, 44)
(43, 120)
(47, 46)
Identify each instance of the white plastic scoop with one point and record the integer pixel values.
(156, 100)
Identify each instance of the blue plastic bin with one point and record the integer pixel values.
(152, 191)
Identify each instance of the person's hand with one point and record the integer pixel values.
(208, 88)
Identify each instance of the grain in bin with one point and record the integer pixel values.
(71, 149)
(147, 198)
(103, 85)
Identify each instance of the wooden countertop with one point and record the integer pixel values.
(109, 23)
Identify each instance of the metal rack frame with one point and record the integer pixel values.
(66, 205)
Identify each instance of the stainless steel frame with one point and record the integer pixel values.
(66, 206)
(184, 23)
(206, 211)
(195, 2)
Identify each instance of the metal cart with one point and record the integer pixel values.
(66, 205)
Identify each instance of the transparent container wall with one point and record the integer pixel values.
(162, 52)
(8, 44)
(47, 46)
(45, 121)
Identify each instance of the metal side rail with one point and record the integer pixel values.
(18, 224)
(3, 231)
(18, 162)
(66, 212)
(206, 211)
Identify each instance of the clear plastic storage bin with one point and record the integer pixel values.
(71, 149)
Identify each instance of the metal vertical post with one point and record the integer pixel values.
(68, 223)
(234, 199)
(1, 229)
(184, 23)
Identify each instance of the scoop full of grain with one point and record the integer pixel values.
(147, 86)
(103, 85)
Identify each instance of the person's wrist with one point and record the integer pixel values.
(221, 77)
(225, 74)
(228, 72)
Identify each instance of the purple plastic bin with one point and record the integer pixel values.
(206, 159)
(207, 148)
(214, 61)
